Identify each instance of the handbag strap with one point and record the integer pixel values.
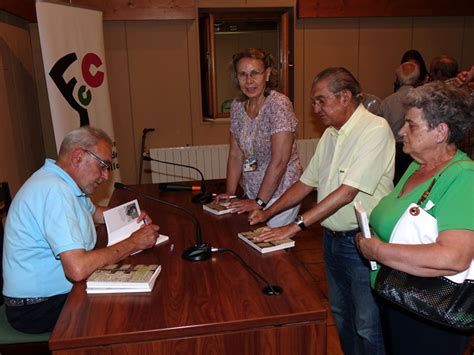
(426, 193)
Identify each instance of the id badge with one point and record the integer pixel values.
(250, 164)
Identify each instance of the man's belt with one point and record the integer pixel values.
(18, 302)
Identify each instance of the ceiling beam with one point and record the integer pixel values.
(115, 9)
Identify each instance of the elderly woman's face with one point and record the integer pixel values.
(252, 77)
(418, 138)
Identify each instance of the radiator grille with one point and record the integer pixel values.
(210, 159)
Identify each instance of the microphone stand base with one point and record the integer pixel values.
(197, 253)
(202, 198)
(272, 290)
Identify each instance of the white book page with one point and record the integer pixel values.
(121, 221)
(363, 220)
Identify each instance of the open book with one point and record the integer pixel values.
(117, 278)
(363, 220)
(265, 247)
(121, 222)
(219, 208)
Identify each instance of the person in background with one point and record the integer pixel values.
(393, 110)
(465, 80)
(50, 233)
(353, 161)
(414, 56)
(443, 68)
(437, 119)
(262, 137)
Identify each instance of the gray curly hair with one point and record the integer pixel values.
(443, 103)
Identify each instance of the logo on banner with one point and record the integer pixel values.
(91, 75)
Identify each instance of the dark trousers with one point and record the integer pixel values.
(36, 318)
(408, 334)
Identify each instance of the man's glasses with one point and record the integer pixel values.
(104, 164)
(241, 75)
(321, 100)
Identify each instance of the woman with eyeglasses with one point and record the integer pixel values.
(262, 152)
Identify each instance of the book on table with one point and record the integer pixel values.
(265, 247)
(121, 222)
(118, 278)
(220, 208)
(363, 220)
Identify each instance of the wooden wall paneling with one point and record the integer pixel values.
(115, 9)
(29, 122)
(8, 164)
(159, 82)
(382, 43)
(327, 43)
(433, 36)
(467, 59)
(23, 8)
(386, 8)
(115, 41)
(220, 3)
(21, 144)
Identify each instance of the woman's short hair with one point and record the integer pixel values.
(85, 137)
(443, 103)
(268, 61)
(339, 79)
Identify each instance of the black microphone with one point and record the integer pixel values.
(204, 196)
(164, 186)
(200, 251)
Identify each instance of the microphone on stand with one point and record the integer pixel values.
(203, 197)
(200, 251)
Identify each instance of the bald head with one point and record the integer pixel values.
(408, 73)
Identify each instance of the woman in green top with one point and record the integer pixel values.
(437, 118)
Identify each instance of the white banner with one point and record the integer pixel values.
(72, 45)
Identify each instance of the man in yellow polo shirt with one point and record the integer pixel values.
(354, 161)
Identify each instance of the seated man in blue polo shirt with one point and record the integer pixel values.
(50, 233)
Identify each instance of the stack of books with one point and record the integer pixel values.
(117, 278)
(265, 247)
(219, 208)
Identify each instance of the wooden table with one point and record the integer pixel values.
(209, 307)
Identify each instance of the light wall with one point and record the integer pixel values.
(154, 78)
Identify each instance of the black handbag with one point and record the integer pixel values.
(438, 299)
(435, 298)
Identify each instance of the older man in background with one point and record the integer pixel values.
(393, 110)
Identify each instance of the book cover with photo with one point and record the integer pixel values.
(121, 222)
(265, 247)
(219, 208)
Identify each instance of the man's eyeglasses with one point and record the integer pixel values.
(321, 100)
(104, 164)
(241, 75)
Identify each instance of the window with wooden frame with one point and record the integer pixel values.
(226, 32)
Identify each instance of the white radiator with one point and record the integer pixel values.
(210, 159)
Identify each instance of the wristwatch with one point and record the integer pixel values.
(260, 202)
(299, 222)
